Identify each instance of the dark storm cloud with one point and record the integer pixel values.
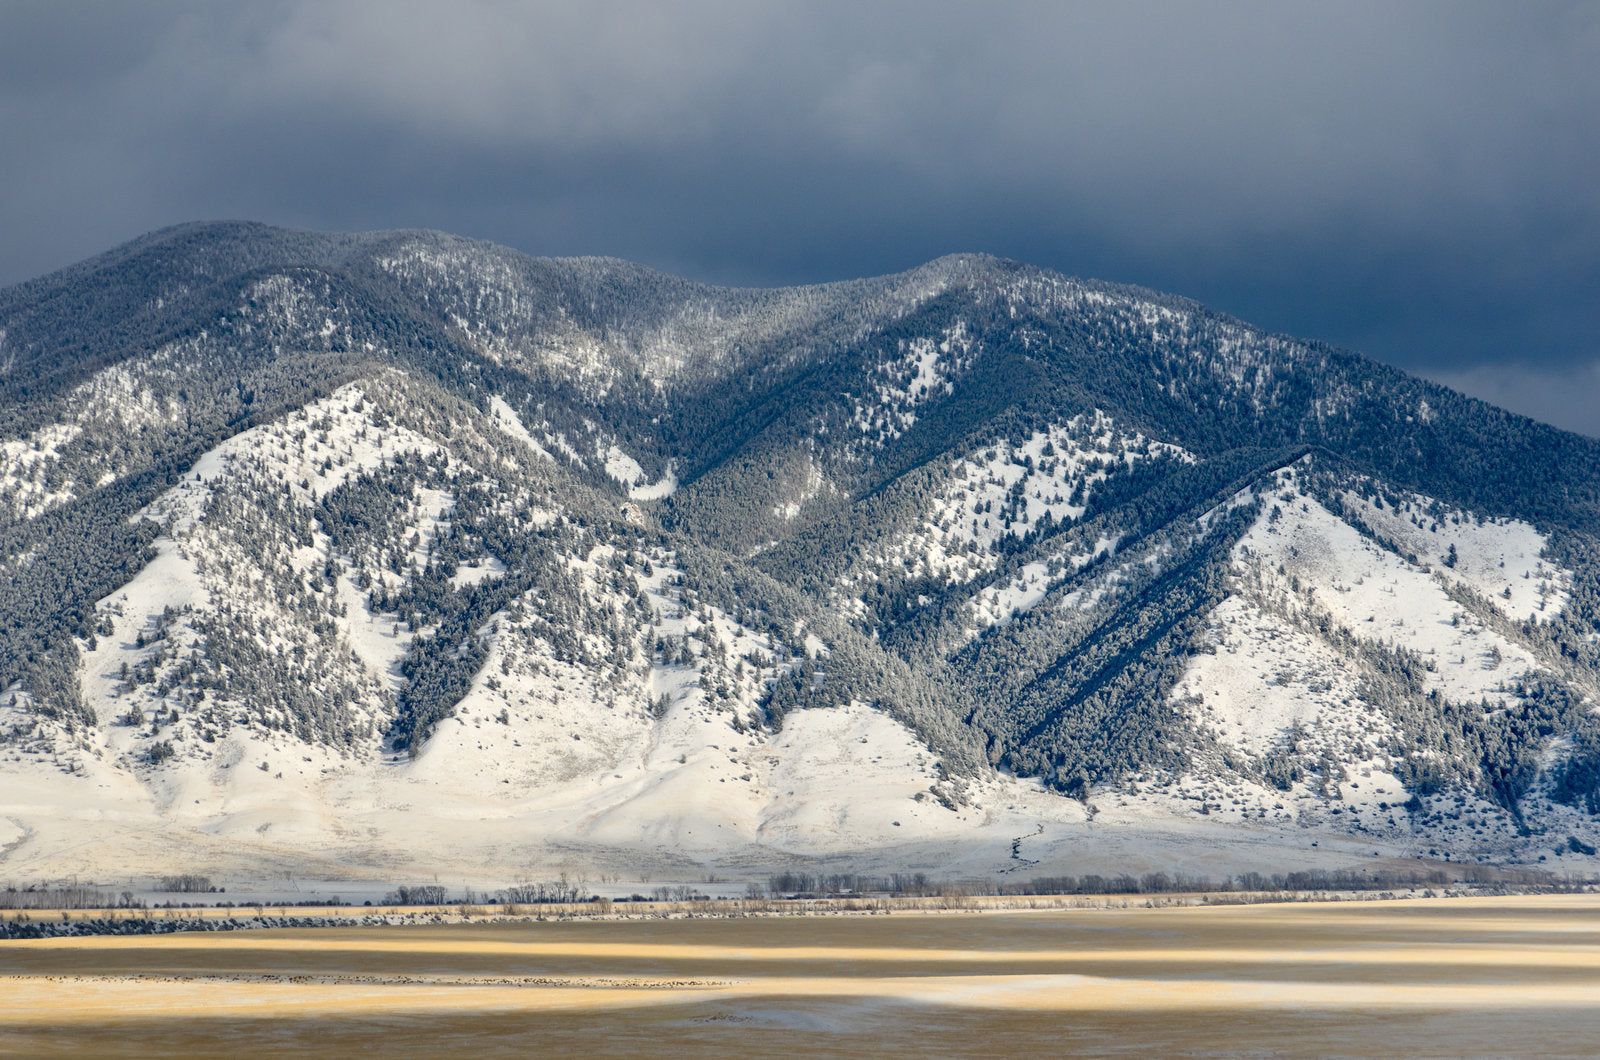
(1414, 181)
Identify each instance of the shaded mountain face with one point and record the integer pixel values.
(290, 522)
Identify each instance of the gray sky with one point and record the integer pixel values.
(1416, 181)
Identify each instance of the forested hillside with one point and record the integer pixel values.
(288, 519)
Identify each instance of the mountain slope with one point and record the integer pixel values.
(377, 542)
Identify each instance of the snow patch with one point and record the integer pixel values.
(506, 418)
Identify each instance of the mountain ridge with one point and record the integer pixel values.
(391, 481)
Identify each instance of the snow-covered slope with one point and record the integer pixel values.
(400, 553)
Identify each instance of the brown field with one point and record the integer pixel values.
(1515, 976)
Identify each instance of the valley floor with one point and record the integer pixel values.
(1431, 977)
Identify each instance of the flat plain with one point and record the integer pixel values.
(1498, 976)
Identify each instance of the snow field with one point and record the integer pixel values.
(1376, 595)
(1265, 678)
(1500, 559)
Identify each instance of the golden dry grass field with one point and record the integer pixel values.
(1515, 976)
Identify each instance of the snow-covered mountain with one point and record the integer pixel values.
(401, 552)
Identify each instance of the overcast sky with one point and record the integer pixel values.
(1416, 181)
